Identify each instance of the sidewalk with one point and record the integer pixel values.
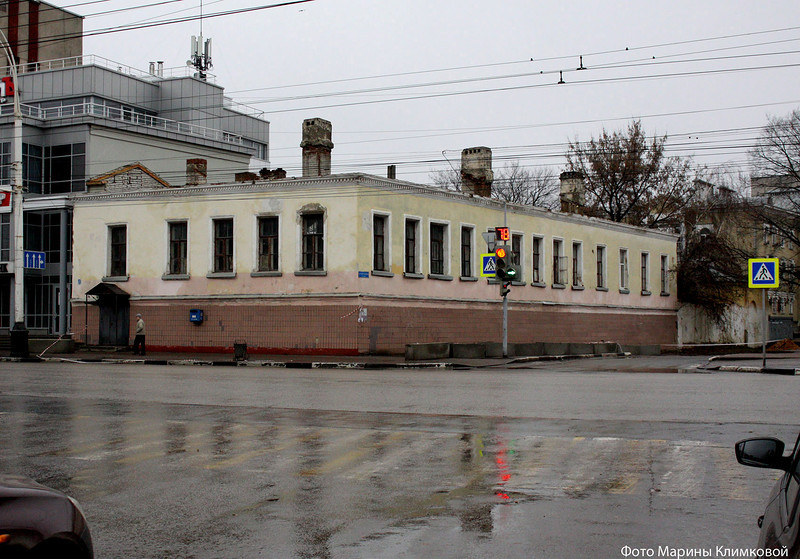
(783, 363)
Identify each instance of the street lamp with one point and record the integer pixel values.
(19, 333)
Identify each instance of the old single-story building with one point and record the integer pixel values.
(355, 263)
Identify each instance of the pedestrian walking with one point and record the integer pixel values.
(138, 340)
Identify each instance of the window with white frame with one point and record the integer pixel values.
(538, 261)
(516, 253)
(438, 249)
(467, 234)
(380, 244)
(623, 270)
(601, 267)
(178, 248)
(223, 246)
(313, 258)
(577, 264)
(268, 255)
(118, 250)
(645, 273)
(411, 257)
(559, 263)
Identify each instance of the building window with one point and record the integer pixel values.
(411, 257)
(645, 273)
(5, 162)
(559, 263)
(313, 242)
(32, 166)
(118, 250)
(268, 244)
(466, 251)
(516, 252)
(438, 233)
(623, 269)
(538, 260)
(5, 237)
(577, 264)
(178, 248)
(601, 267)
(664, 274)
(223, 246)
(379, 242)
(65, 168)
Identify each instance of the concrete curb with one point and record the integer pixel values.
(742, 369)
(231, 363)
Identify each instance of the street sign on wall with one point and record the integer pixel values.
(34, 260)
(762, 273)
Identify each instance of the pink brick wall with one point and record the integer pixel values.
(331, 325)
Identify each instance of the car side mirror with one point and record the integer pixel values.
(762, 453)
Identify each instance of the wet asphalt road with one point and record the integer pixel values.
(544, 462)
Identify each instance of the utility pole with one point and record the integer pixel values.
(19, 333)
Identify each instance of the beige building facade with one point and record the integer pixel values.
(353, 264)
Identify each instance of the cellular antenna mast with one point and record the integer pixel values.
(201, 51)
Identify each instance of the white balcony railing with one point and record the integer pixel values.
(129, 117)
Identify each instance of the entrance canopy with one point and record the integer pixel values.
(108, 289)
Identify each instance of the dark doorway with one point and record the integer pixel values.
(115, 312)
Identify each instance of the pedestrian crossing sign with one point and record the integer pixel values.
(488, 266)
(762, 272)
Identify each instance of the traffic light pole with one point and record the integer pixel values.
(505, 295)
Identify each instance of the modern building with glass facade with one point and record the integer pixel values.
(84, 116)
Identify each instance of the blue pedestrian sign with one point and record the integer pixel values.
(488, 266)
(34, 260)
(762, 273)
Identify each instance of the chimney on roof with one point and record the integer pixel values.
(317, 146)
(573, 192)
(476, 171)
(391, 171)
(196, 172)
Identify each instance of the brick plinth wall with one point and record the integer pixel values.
(360, 325)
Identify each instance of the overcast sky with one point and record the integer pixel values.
(707, 74)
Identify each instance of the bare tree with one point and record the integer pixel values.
(632, 181)
(777, 152)
(775, 206)
(531, 186)
(447, 180)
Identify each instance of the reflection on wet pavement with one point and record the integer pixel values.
(200, 481)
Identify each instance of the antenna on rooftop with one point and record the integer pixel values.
(201, 51)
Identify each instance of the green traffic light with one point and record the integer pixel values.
(511, 272)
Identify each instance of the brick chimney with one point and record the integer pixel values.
(317, 146)
(476, 171)
(573, 192)
(196, 172)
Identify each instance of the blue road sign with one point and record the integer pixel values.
(34, 260)
(488, 265)
(762, 272)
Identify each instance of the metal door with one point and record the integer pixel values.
(114, 320)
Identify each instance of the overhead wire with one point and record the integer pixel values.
(591, 81)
